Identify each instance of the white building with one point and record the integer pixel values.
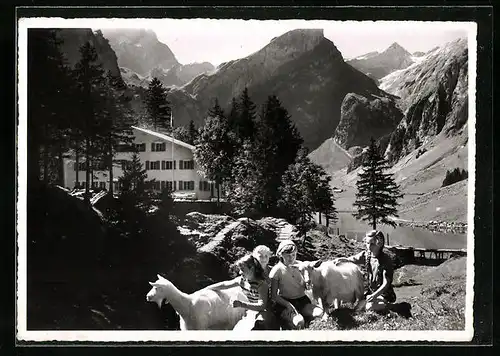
(167, 160)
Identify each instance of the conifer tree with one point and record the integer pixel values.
(305, 189)
(246, 189)
(50, 105)
(192, 133)
(134, 185)
(212, 147)
(89, 76)
(157, 106)
(116, 121)
(244, 125)
(278, 142)
(377, 195)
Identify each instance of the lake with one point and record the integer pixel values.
(406, 236)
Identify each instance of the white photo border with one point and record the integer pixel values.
(23, 334)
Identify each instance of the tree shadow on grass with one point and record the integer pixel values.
(344, 318)
(403, 309)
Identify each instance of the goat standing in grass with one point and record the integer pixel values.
(252, 281)
(380, 270)
(205, 309)
(331, 283)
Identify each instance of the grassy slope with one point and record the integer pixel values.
(420, 180)
(428, 298)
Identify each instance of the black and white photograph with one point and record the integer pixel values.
(204, 179)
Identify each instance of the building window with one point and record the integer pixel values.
(158, 147)
(186, 185)
(204, 186)
(154, 165)
(102, 185)
(82, 166)
(141, 147)
(169, 185)
(125, 164)
(166, 165)
(186, 164)
(155, 185)
(125, 148)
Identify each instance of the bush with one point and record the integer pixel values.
(454, 176)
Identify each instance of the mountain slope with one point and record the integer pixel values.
(139, 50)
(378, 65)
(74, 38)
(433, 96)
(331, 156)
(306, 72)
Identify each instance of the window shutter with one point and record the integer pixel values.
(200, 185)
(147, 165)
(174, 164)
(175, 185)
(181, 164)
(181, 187)
(152, 147)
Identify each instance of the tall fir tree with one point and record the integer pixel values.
(192, 133)
(117, 121)
(244, 125)
(305, 189)
(377, 194)
(278, 142)
(246, 189)
(212, 147)
(157, 106)
(89, 76)
(134, 183)
(50, 106)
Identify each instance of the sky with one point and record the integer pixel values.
(217, 41)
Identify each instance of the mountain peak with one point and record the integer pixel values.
(299, 37)
(396, 48)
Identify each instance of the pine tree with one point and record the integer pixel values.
(134, 186)
(244, 125)
(305, 189)
(377, 195)
(116, 121)
(89, 76)
(212, 148)
(49, 121)
(192, 133)
(278, 141)
(246, 190)
(157, 105)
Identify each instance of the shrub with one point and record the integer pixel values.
(456, 175)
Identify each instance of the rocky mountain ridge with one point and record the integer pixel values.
(377, 65)
(74, 38)
(434, 97)
(303, 68)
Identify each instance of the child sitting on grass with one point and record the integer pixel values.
(288, 289)
(253, 283)
(263, 253)
(379, 270)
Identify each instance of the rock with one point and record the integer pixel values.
(433, 97)
(364, 117)
(378, 65)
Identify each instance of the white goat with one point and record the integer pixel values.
(332, 283)
(204, 309)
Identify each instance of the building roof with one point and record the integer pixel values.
(164, 137)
